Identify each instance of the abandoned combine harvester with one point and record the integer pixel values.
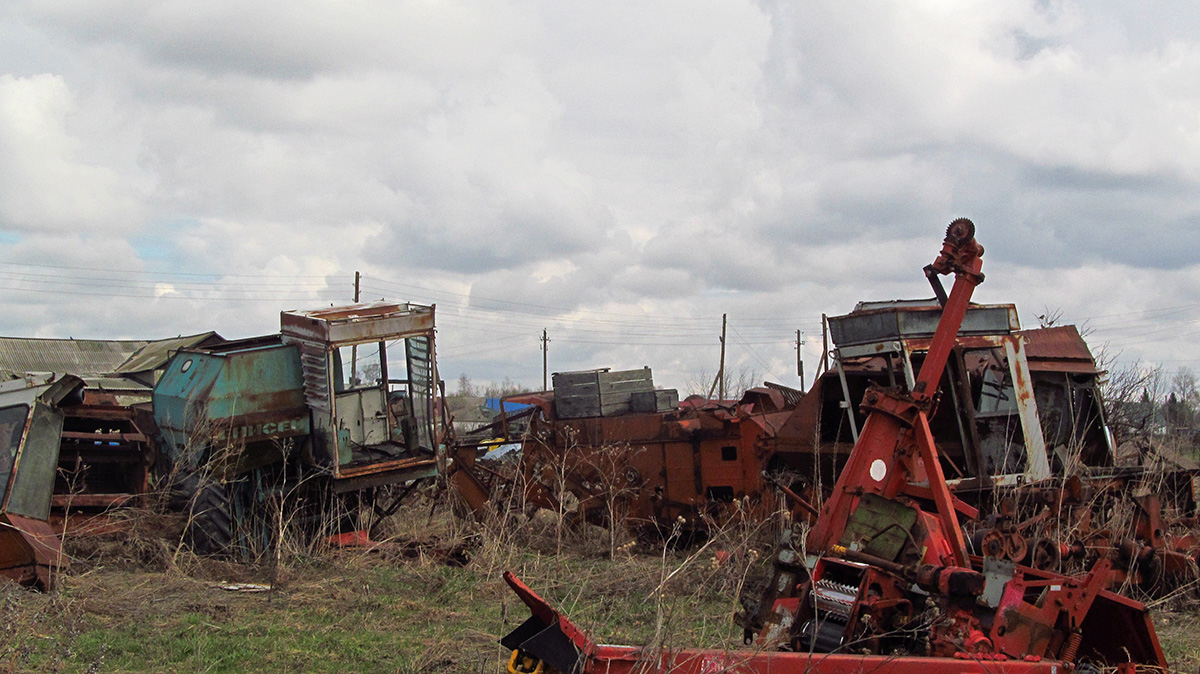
(884, 581)
(108, 449)
(622, 451)
(1022, 437)
(1021, 405)
(315, 420)
(31, 421)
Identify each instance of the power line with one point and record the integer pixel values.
(471, 297)
(135, 284)
(471, 312)
(163, 273)
(178, 296)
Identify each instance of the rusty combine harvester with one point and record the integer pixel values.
(620, 450)
(31, 421)
(883, 579)
(1022, 437)
(109, 446)
(1022, 405)
(316, 419)
(313, 417)
(602, 434)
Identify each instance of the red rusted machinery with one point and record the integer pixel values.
(687, 466)
(884, 579)
(1070, 525)
(31, 420)
(1021, 407)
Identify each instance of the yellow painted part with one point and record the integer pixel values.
(518, 668)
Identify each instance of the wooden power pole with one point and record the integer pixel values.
(719, 381)
(721, 373)
(545, 348)
(800, 357)
(353, 379)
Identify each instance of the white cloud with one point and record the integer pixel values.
(592, 165)
(44, 182)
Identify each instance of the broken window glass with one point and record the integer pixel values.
(12, 425)
(358, 366)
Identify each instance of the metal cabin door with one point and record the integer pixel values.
(419, 358)
(360, 401)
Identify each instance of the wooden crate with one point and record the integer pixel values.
(596, 393)
(656, 401)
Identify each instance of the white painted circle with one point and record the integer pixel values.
(878, 470)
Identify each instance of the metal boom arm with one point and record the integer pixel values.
(896, 444)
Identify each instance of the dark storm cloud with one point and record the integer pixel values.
(1055, 216)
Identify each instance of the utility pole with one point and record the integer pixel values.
(721, 373)
(545, 348)
(800, 357)
(824, 346)
(354, 349)
(719, 381)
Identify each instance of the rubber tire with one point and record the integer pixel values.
(209, 528)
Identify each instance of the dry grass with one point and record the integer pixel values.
(138, 603)
(1180, 639)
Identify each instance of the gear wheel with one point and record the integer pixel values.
(961, 230)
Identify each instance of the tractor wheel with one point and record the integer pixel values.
(210, 520)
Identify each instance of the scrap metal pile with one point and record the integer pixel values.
(884, 579)
(620, 450)
(313, 421)
(1019, 424)
(31, 421)
(312, 417)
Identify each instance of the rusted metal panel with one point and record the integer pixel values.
(385, 473)
(883, 321)
(30, 552)
(1037, 463)
(273, 425)
(229, 395)
(357, 323)
(1058, 349)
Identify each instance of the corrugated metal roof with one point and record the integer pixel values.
(90, 358)
(155, 354)
(1058, 348)
(83, 357)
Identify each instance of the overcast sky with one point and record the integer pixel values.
(617, 173)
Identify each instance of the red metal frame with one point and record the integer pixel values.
(846, 598)
(896, 444)
(608, 659)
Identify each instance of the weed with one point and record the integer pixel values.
(140, 603)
